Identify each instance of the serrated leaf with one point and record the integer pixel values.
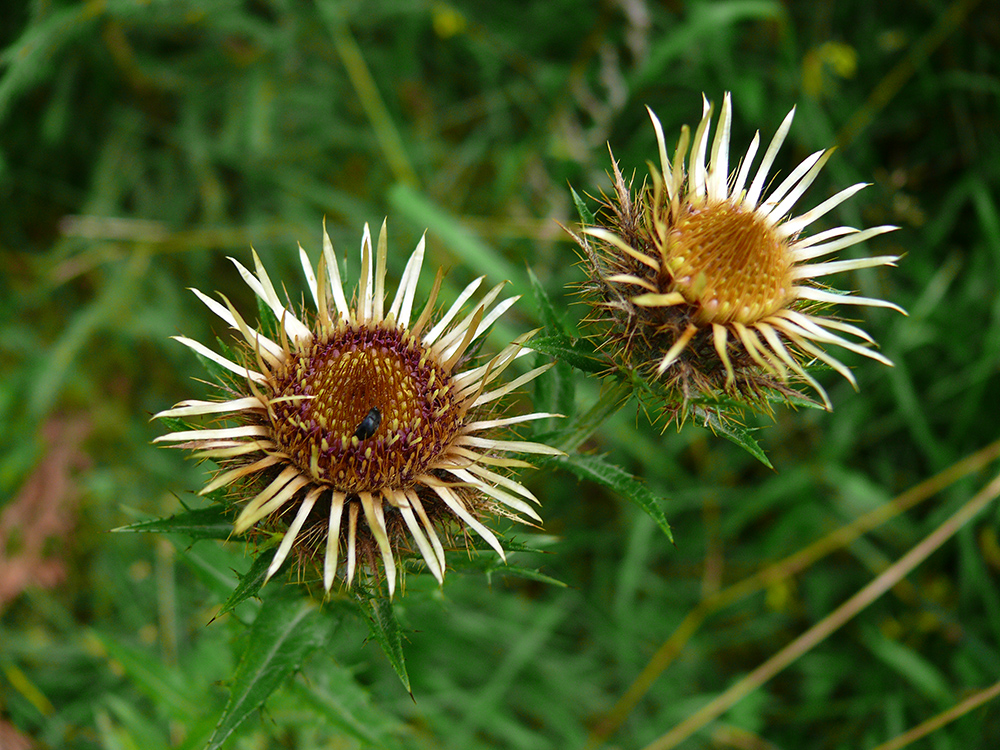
(285, 631)
(731, 431)
(586, 215)
(385, 630)
(250, 583)
(597, 469)
(709, 417)
(577, 353)
(205, 523)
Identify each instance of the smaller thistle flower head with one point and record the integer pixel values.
(708, 282)
(359, 428)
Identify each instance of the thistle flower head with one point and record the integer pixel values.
(360, 427)
(706, 279)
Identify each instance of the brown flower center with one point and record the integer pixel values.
(379, 410)
(729, 263)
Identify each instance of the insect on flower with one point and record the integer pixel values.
(365, 428)
(369, 424)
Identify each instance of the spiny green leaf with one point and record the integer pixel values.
(735, 432)
(481, 545)
(597, 469)
(285, 631)
(705, 411)
(384, 628)
(579, 353)
(205, 523)
(250, 583)
(586, 215)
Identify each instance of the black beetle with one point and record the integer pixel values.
(369, 424)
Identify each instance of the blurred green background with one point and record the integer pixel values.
(142, 142)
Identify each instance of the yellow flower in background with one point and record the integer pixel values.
(360, 429)
(706, 279)
(835, 58)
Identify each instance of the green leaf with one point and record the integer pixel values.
(580, 354)
(735, 432)
(709, 20)
(709, 417)
(215, 566)
(384, 628)
(597, 469)
(922, 673)
(472, 251)
(339, 700)
(795, 400)
(162, 684)
(267, 322)
(546, 310)
(38, 50)
(205, 523)
(574, 432)
(485, 560)
(250, 583)
(173, 424)
(556, 392)
(586, 215)
(481, 545)
(285, 631)
(530, 574)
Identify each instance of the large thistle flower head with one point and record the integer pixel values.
(706, 279)
(360, 430)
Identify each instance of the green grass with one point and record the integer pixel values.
(142, 143)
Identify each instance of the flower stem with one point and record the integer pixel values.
(613, 396)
